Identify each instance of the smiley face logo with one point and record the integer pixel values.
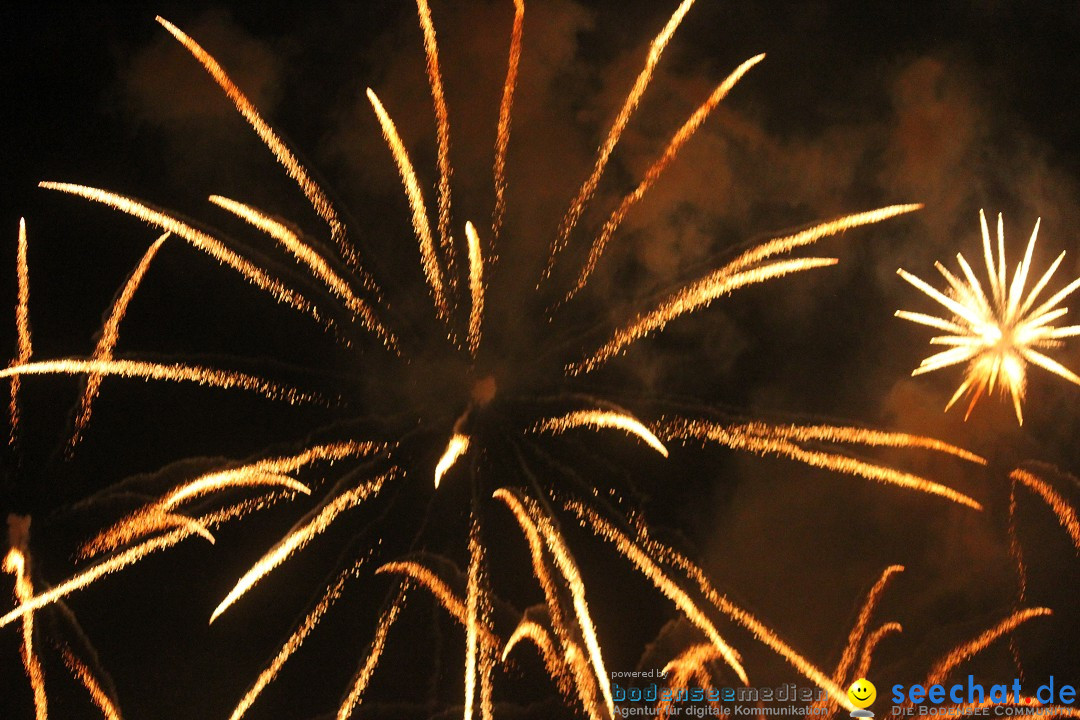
(862, 693)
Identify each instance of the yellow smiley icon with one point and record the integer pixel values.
(862, 693)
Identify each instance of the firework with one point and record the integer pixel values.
(633, 98)
(98, 695)
(568, 637)
(997, 335)
(22, 325)
(786, 441)
(598, 419)
(421, 226)
(110, 336)
(298, 538)
(15, 563)
(502, 137)
(657, 169)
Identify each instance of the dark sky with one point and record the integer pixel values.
(960, 106)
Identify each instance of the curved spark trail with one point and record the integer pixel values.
(601, 419)
(1064, 512)
(288, 160)
(577, 206)
(476, 288)
(15, 564)
(740, 272)
(292, 644)
(421, 226)
(299, 538)
(210, 245)
(315, 262)
(110, 336)
(766, 439)
(442, 132)
(80, 671)
(681, 137)
(964, 651)
(22, 326)
(158, 371)
(132, 555)
(506, 106)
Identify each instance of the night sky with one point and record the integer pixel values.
(958, 105)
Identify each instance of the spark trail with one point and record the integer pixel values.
(780, 440)
(110, 336)
(276, 145)
(506, 106)
(577, 206)
(657, 169)
(597, 419)
(15, 563)
(299, 538)
(742, 271)
(22, 326)
(421, 226)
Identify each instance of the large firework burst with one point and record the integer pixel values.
(469, 440)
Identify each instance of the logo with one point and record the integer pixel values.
(862, 694)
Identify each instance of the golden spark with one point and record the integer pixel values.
(997, 335)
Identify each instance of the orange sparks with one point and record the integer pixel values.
(651, 570)
(966, 650)
(580, 670)
(276, 145)
(22, 325)
(502, 137)
(476, 288)
(541, 638)
(81, 580)
(766, 439)
(291, 645)
(421, 226)
(272, 472)
(15, 562)
(740, 272)
(858, 436)
(442, 120)
(690, 298)
(601, 419)
(858, 632)
(210, 245)
(478, 657)
(80, 671)
(134, 554)
(316, 263)
(658, 167)
(577, 207)
(643, 559)
(996, 335)
(458, 446)
(158, 371)
(110, 335)
(564, 561)
(453, 604)
(299, 538)
(863, 667)
(1064, 512)
(690, 665)
(378, 643)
